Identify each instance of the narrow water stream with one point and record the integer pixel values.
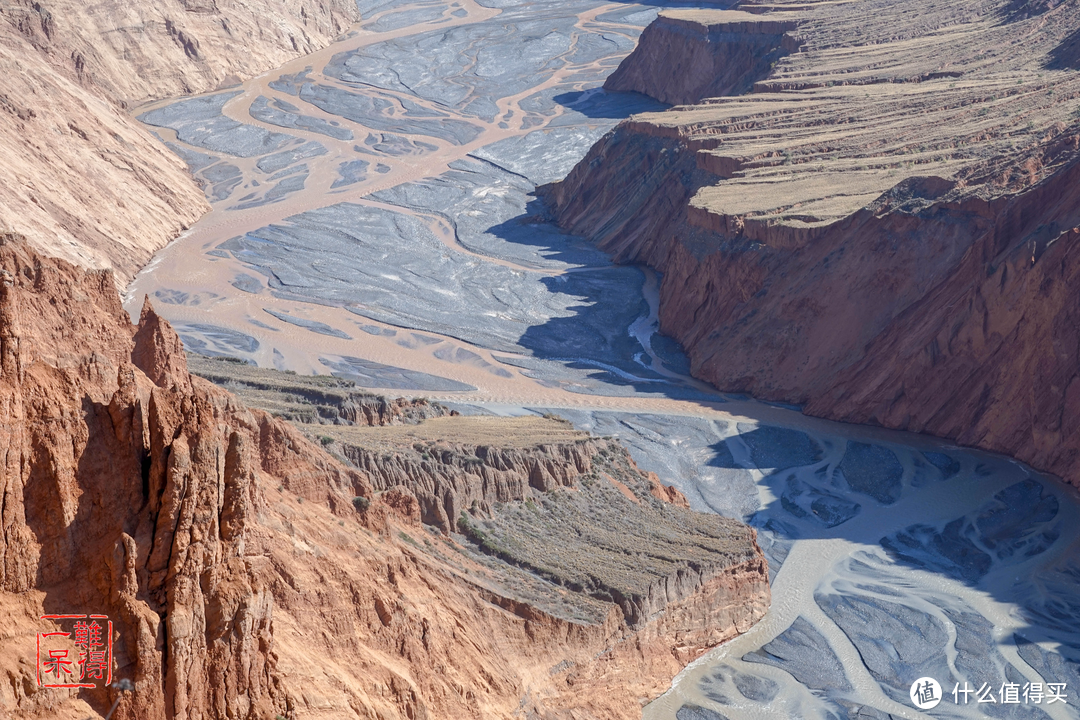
(374, 217)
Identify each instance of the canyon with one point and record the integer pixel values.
(882, 231)
(224, 543)
(70, 73)
(406, 428)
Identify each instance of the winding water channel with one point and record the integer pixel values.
(374, 218)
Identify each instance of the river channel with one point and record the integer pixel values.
(374, 217)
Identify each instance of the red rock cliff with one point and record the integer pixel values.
(241, 578)
(687, 55)
(880, 243)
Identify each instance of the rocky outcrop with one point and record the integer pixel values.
(311, 399)
(535, 507)
(449, 478)
(132, 489)
(687, 55)
(880, 244)
(243, 577)
(84, 181)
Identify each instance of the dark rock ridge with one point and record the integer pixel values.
(310, 399)
(866, 274)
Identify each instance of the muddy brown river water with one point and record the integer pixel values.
(374, 217)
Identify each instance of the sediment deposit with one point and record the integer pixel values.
(882, 230)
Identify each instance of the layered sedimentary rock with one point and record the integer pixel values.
(687, 55)
(82, 179)
(450, 477)
(881, 231)
(577, 512)
(244, 577)
(310, 399)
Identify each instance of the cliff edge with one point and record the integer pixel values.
(249, 573)
(883, 230)
(686, 55)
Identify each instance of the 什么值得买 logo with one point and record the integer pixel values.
(925, 693)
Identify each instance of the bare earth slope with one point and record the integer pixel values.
(135, 52)
(883, 230)
(83, 180)
(250, 574)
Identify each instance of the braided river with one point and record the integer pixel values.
(374, 216)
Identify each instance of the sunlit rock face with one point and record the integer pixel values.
(218, 540)
(882, 231)
(71, 71)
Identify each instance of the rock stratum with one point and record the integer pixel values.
(687, 55)
(576, 511)
(883, 229)
(68, 148)
(251, 574)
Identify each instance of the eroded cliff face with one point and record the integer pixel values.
(131, 488)
(687, 55)
(136, 52)
(242, 578)
(534, 506)
(882, 242)
(449, 478)
(83, 180)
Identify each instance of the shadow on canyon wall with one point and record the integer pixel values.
(1066, 56)
(841, 492)
(597, 103)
